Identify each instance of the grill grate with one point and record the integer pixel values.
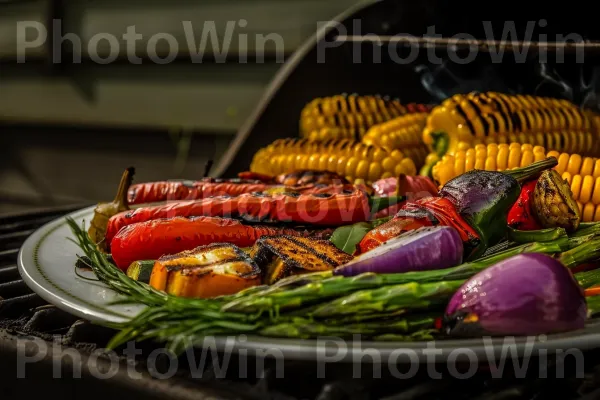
(25, 317)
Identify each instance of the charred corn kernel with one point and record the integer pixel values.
(350, 116)
(492, 117)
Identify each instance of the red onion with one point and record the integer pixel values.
(417, 250)
(528, 294)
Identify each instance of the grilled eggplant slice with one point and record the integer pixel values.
(282, 256)
(208, 271)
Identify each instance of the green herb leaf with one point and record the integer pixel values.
(347, 237)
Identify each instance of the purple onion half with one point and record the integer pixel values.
(421, 249)
(528, 294)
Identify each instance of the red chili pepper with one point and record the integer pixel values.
(324, 209)
(152, 239)
(429, 211)
(520, 215)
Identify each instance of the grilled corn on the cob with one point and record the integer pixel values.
(403, 133)
(349, 158)
(582, 173)
(349, 116)
(500, 118)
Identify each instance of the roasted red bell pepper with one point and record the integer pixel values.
(411, 187)
(521, 215)
(322, 209)
(430, 211)
(152, 239)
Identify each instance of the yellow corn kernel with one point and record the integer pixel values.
(389, 164)
(514, 158)
(375, 171)
(526, 158)
(587, 166)
(567, 177)
(576, 184)
(362, 169)
(574, 164)
(597, 168)
(588, 212)
(596, 192)
(587, 186)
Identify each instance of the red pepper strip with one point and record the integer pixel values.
(152, 239)
(423, 212)
(333, 210)
(593, 291)
(521, 215)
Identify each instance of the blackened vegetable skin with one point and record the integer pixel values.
(483, 199)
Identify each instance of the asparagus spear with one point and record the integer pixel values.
(587, 251)
(412, 296)
(587, 279)
(593, 305)
(306, 328)
(290, 295)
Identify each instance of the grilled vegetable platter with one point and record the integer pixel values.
(476, 217)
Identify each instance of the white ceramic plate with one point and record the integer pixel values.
(47, 264)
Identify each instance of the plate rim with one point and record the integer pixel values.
(64, 300)
(298, 349)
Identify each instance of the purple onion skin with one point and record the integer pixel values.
(525, 295)
(421, 249)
